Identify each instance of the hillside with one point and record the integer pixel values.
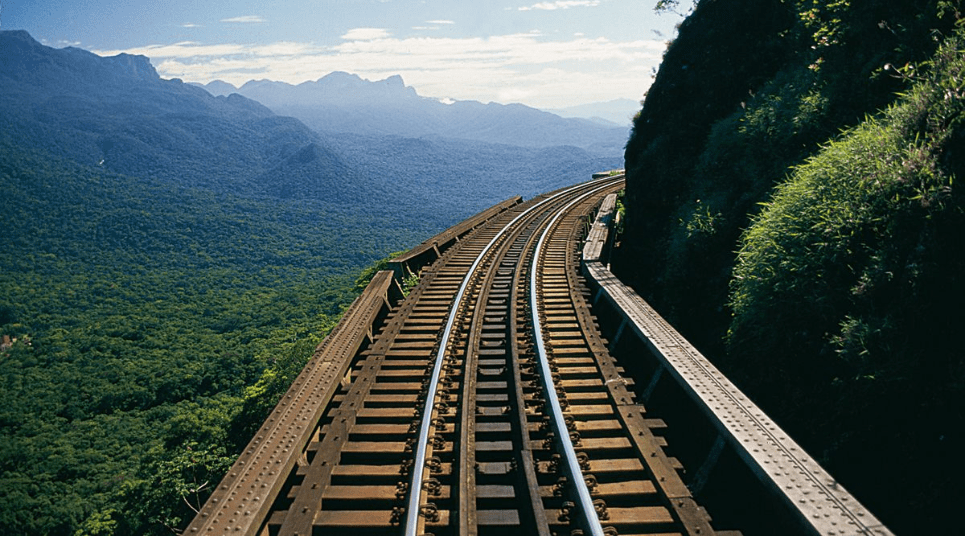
(792, 208)
(141, 312)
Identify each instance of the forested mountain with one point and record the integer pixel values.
(169, 261)
(117, 113)
(342, 102)
(793, 207)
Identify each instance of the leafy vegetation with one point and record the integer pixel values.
(809, 241)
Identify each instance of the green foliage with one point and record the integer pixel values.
(845, 283)
(665, 5)
(101, 523)
(176, 483)
(725, 128)
(670, 6)
(409, 282)
(840, 219)
(823, 19)
(261, 397)
(620, 215)
(702, 221)
(950, 9)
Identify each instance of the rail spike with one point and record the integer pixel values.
(430, 512)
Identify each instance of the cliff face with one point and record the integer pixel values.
(747, 90)
(791, 207)
(724, 53)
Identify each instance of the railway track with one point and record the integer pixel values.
(485, 401)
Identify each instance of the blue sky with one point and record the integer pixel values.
(547, 54)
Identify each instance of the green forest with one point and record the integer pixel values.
(155, 327)
(793, 207)
(170, 260)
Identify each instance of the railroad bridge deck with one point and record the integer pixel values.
(520, 388)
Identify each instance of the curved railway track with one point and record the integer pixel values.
(483, 402)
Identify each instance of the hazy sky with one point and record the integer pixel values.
(546, 54)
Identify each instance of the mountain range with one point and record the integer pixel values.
(118, 114)
(341, 102)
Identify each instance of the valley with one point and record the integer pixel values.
(172, 257)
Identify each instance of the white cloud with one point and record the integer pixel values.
(561, 4)
(246, 19)
(440, 22)
(366, 34)
(184, 49)
(525, 67)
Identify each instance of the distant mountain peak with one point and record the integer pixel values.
(394, 81)
(336, 88)
(218, 87)
(137, 66)
(342, 80)
(341, 102)
(340, 76)
(260, 83)
(617, 112)
(17, 35)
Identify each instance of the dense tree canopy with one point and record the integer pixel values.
(152, 322)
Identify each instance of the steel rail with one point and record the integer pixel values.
(574, 473)
(418, 467)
